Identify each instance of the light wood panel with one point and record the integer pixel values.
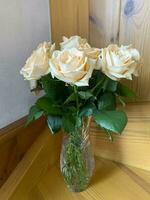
(124, 22)
(104, 22)
(135, 29)
(14, 142)
(110, 182)
(69, 17)
(133, 146)
(41, 156)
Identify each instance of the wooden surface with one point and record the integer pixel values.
(133, 146)
(135, 29)
(43, 154)
(104, 22)
(37, 176)
(69, 17)
(110, 182)
(14, 142)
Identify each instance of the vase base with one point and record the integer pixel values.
(77, 190)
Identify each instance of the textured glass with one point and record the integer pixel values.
(77, 160)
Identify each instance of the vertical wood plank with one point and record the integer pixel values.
(69, 17)
(135, 29)
(83, 18)
(104, 22)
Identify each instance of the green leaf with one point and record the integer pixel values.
(123, 90)
(85, 95)
(54, 123)
(70, 122)
(71, 98)
(69, 109)
(45, 104)
(53, 88)
(107, 102)
(110, 85)
(87, 110)
(78, 122)
(34, 113)
(114, 121)
(97, 76)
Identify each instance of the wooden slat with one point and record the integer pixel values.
(133, 146)
(41, 156)
(135, 29)
(104, 22)
(14, 142)
(141, 173)
(69, 17)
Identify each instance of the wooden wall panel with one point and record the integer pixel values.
(104, 22)
(69, 17)
(124, 22)
(15, 140)
(135, 29)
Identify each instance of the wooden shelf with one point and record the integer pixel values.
(111, 181)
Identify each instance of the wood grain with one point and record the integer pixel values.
(124, 22)
(69, 17)
(109, 182)
(133, 146)
(104, 22)
(14, 142)
(135, 29)
(40, 157)
(37, 176)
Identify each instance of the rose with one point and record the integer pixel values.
(72, 42)
(37, 64)
(118, 62)
(71, 66)
(82, 45)
(91, 53)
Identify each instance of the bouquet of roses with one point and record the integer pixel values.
(80, 80)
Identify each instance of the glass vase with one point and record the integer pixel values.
(77, 160)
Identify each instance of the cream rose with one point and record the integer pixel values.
(37, 64)
(82, 45)
(119, 62)
(90, 52)
(72, 42)
(71, 66)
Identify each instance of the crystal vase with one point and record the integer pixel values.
(77, 159)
